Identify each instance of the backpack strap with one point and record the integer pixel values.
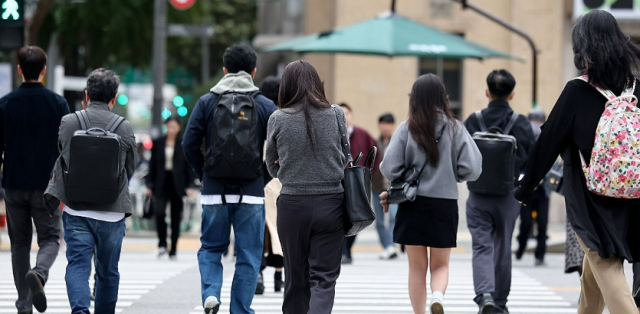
(483, 125)
(84, 119)
(114, 123)
(512, 123)
(254, 94)
(607, 93)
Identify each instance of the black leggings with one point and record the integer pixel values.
(177, 206)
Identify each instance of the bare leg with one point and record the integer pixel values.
(439, 269)
(418, 266)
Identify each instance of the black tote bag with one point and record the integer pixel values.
(358, 212)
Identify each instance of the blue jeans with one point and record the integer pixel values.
(248, 226)
(84, 237)
(385, 232)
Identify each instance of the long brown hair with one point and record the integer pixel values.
(301, 85)
(428, 101)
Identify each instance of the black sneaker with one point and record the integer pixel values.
(519, 253)
(486, 304)
(501, 310)
(540, 262)
(260, 286)
(346, 260)
(35, 284)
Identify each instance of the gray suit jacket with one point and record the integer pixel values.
(99, 116)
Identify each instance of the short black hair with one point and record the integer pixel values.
(387, 118)
(239, 58)
(32, 60)
(173, 118)
(270, 87)
(501, 84)
(344, 105)
(102, 85)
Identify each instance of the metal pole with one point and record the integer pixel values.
(466, 4)
(393, 6)
(205, 58)
(159, 64)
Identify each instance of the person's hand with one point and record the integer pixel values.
(518, 194)
(189, 192)
(277, 162)
(384, 202)
(149, 192)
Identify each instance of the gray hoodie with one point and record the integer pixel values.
(460, 160)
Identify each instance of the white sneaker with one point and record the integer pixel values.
(162, 251)
(391, 251)
(384, 254)
(211, 305)
(436, 307)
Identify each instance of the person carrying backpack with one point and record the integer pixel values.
(94, 186)
(595, 125)
(504, 139)
(232, 121)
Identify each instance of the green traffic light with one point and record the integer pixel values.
(123, 99)
(182, 111)
(166, 113)
(178, 101)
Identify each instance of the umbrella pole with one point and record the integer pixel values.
(513, 29)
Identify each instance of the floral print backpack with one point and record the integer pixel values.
(614, 170)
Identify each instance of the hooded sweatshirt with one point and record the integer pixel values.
(199, 128)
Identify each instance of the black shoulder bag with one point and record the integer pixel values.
(406, 188)
(358, 212)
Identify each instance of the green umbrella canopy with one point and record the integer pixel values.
(389, 35)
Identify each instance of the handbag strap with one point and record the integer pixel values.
(344, 139)
(437, 140)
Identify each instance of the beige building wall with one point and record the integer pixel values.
(375, 85)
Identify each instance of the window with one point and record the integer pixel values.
(450, 71)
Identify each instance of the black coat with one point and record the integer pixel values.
(606, 225)
(183, 176)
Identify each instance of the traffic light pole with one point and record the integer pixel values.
(517, 31)
(159, 64)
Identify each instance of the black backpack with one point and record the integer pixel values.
(234, 153)
(498, 158)
(95, 163)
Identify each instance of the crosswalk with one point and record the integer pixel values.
(140, 274)
(375, 286)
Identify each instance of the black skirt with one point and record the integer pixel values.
(431, 222)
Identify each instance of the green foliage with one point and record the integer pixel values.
(95, 33)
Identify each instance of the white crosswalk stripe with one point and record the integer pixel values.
(140, 274)
(376, 286)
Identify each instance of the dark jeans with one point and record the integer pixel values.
(177, 206)
(491, 220)
(248, 227)
(348, 245)
(539, 203)
(311, 231)
(23, 207)
(84, 237)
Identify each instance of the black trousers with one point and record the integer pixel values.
(23, 207)
(177, 206)
(311, 231)
(539, 203)
(348, 245)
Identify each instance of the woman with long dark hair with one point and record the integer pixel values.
(304, 151)
(433, 140)
(607, 228)
(170, 178)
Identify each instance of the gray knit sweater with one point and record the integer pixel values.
(302, 169)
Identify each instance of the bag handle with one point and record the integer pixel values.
(371, 160)
(344, 140)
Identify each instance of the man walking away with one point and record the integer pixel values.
(30, 117)
(232, 120)
(539, 204)
(386, 126)
(491, 215)
(360, 141)
(94, 221)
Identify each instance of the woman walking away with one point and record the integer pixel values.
(433, 139)
(170, 178)
(605, 224)
(304, 151)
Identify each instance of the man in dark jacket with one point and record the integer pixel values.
(92, 228)
(229, 202)
(361, 142)
(29, 121)
(491, 219)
